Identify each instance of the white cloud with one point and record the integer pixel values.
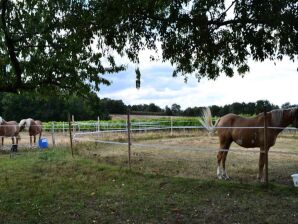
(276, 83)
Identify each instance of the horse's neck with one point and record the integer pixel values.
(285, 121)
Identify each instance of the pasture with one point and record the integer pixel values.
(172, 180)
(192, 154)
(52, 187)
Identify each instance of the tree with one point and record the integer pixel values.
(69, 44)
(176, 109)
(51, 45)
(215, 110)
(168, 111)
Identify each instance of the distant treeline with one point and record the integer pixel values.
(57, 108)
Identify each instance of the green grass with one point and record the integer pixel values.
(121, 123)
(53, 187)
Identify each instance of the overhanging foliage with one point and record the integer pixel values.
(69, 45)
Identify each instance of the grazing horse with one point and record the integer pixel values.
(9, 129)
(248, 133)
(34, 127)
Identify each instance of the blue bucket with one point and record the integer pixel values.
(43, 143)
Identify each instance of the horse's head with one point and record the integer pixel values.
(295, 117)
(1, 120)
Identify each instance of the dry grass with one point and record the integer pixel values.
(193, 155)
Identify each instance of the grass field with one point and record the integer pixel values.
(192, 154)
(52, 187)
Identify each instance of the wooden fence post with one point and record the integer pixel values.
(266, 145)
(70, 134)
(129, 139)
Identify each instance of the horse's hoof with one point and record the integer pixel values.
(220, 177)
(226, 177)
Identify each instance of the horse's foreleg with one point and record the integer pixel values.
(34, 139)
(30, 141)
(2, 140)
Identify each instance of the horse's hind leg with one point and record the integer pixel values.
(261, 164)
(221, 157)
(224, 173)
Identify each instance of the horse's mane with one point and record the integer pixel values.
(22, 122)
(293, 110)
(277, 116)
(26, 122)
(29, 122)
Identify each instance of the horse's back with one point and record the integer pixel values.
(233, 120)
(9, 128)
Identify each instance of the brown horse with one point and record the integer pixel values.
(248, 133)
(34, 127)
(9, 129)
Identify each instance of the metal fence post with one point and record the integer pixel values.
(70, 134)
(53, 134)
(171, 126)
(129, 140)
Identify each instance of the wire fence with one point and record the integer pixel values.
(57, 133)
(139, 136)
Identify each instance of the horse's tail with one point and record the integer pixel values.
(206, 120)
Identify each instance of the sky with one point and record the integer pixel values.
(265, 81)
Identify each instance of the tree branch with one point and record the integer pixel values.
(10, 46)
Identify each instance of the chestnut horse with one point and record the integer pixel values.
(248, 133)
(9, 129)
(34, 127)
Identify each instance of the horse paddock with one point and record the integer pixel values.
(191, 154)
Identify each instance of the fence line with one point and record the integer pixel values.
(177, 147)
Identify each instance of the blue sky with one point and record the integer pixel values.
(276, 83)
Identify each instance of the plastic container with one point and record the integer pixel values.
(43, 143)
(295, 179)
